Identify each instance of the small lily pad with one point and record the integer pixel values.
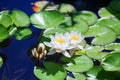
(66, 8)
(52, 31)
(103, 34)
(5, 20)
(46, 19)
(113, 46)
(107, 12)
(79, 63)
(111, 22)
(1, 62)
(20, 19)
(4, 34)
(23, 34)
(89, 17)
(111, 62)
(95, 52)
(52, 71)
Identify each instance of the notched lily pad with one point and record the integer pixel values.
(103, 34)
(46, 19)
(23, 34)
(52, 71)
(89, 17)
(4, 34)
(20, 19)
(79, 63)
(95, 52)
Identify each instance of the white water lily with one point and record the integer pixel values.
(40, 51)
(64, 44)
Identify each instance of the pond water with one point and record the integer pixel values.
(18, 65)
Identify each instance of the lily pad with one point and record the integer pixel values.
(52, 71)
(5, 20)
(113, 46)
(52, 31)
(103, 34)
(89, 17)
(66, 8)
(92, 73)
(46, 19)
(20, 19)
(111, 22)
(107, 12)
(23, 34)
(79, 63)
(3, 33)
(1, 62)
(111, 62)
(95, 52)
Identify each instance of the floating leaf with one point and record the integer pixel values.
(92, 73)
(79, 63)
(66, 8)
(20, 19)
(5, 20)
(107, 12)
(1, 62)
(113, 46)
(52, 71)
(52, 31)
(111, 22)
(112, 62)
(3, 33)
(95, 52)
(23, 34)
(79, 76)
(46, 19)
(103, 35)
(87, 16)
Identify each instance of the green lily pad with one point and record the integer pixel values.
(1, 62)
(52, 71)
(103, 35)
(111, 62)
(79, 26)
(111, 22)
(79, 63)
(20, 19)
(5, 20)
(46, 19)
(87, 16)
(113, 46)
(95, 52)
(115, 5)
(107, 12)
(52, 31)
(23, 34)
(3, 33)
(5, 12)
(66, 8)
(93, 72)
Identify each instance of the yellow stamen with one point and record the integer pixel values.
(75, 38)
(61, 41)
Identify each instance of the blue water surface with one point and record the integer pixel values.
(19, 65)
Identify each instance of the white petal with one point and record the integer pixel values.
(65, 53)
(47, 44)
(80, 47)
(41, 45)
(51, 52)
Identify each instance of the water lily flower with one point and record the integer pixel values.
(39, 52)
(64, 44)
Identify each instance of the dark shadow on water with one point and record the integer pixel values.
(4, 57)
(5, 43)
